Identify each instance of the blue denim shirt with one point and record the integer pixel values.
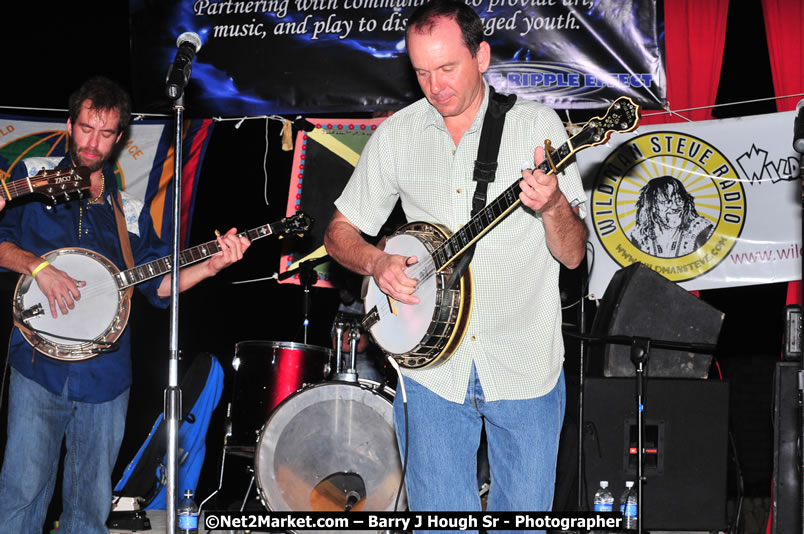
(41, 228)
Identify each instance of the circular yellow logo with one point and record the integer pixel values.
(670, 201)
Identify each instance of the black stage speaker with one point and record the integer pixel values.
(786, 499)
(686, 443)
(641, 302)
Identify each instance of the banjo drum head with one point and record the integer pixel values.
(94, 312)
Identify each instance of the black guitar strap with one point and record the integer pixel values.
(485, 165)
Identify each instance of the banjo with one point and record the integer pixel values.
(99, 318)
(52, 184)
(428, 333)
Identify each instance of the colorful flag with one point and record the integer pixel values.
(323, 162)
(143, 168)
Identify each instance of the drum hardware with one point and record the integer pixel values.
(340, 492)
(345, 321)
(307, 277)
(227, 433)
(321, 445)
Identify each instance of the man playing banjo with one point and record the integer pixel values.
(507, 372)
(84, 402)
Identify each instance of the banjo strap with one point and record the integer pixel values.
(122, 231)
(485, 165)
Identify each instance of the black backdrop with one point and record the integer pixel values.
(57, 47)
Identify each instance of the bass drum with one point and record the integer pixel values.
(329, 447)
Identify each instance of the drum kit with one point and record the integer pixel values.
(318, 437)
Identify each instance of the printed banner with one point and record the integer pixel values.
(334, 56)
(144, 166)
(707, 204)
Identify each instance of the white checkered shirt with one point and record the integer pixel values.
(514, 337)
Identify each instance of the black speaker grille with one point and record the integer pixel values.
(687, 439)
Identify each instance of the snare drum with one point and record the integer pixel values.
(330, 445)
(266, 372)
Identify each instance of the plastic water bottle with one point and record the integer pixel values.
(187, 515)
(604, 500)
(630, 509)
(624, 497)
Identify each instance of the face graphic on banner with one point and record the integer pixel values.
(93, 136)
(449, 75)
(669, 205)
(667, 224)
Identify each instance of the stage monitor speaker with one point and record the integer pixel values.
(686, 446)
(786, 498)
(640, 302)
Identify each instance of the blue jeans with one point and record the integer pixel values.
(37, 421)
(443, 438)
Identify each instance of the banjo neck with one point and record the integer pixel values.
(53, 184)
(622, 116)
(189, 256)
(95, 326)
(496, 210)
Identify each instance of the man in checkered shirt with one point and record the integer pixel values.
(507, 372)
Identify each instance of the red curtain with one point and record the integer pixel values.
(694, 38)
(784, 21)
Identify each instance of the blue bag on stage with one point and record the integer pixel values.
(145, 476)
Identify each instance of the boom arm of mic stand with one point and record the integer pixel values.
(300, 270)
(706, 348)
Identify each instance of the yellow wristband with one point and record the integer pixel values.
(39, 268)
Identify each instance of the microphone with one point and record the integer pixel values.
(188, 43)
(798, 129)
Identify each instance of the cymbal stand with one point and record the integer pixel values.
(308, 277)
(581, 377)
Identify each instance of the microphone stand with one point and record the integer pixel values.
(307, 278)
(173, 393)
(640, 352)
